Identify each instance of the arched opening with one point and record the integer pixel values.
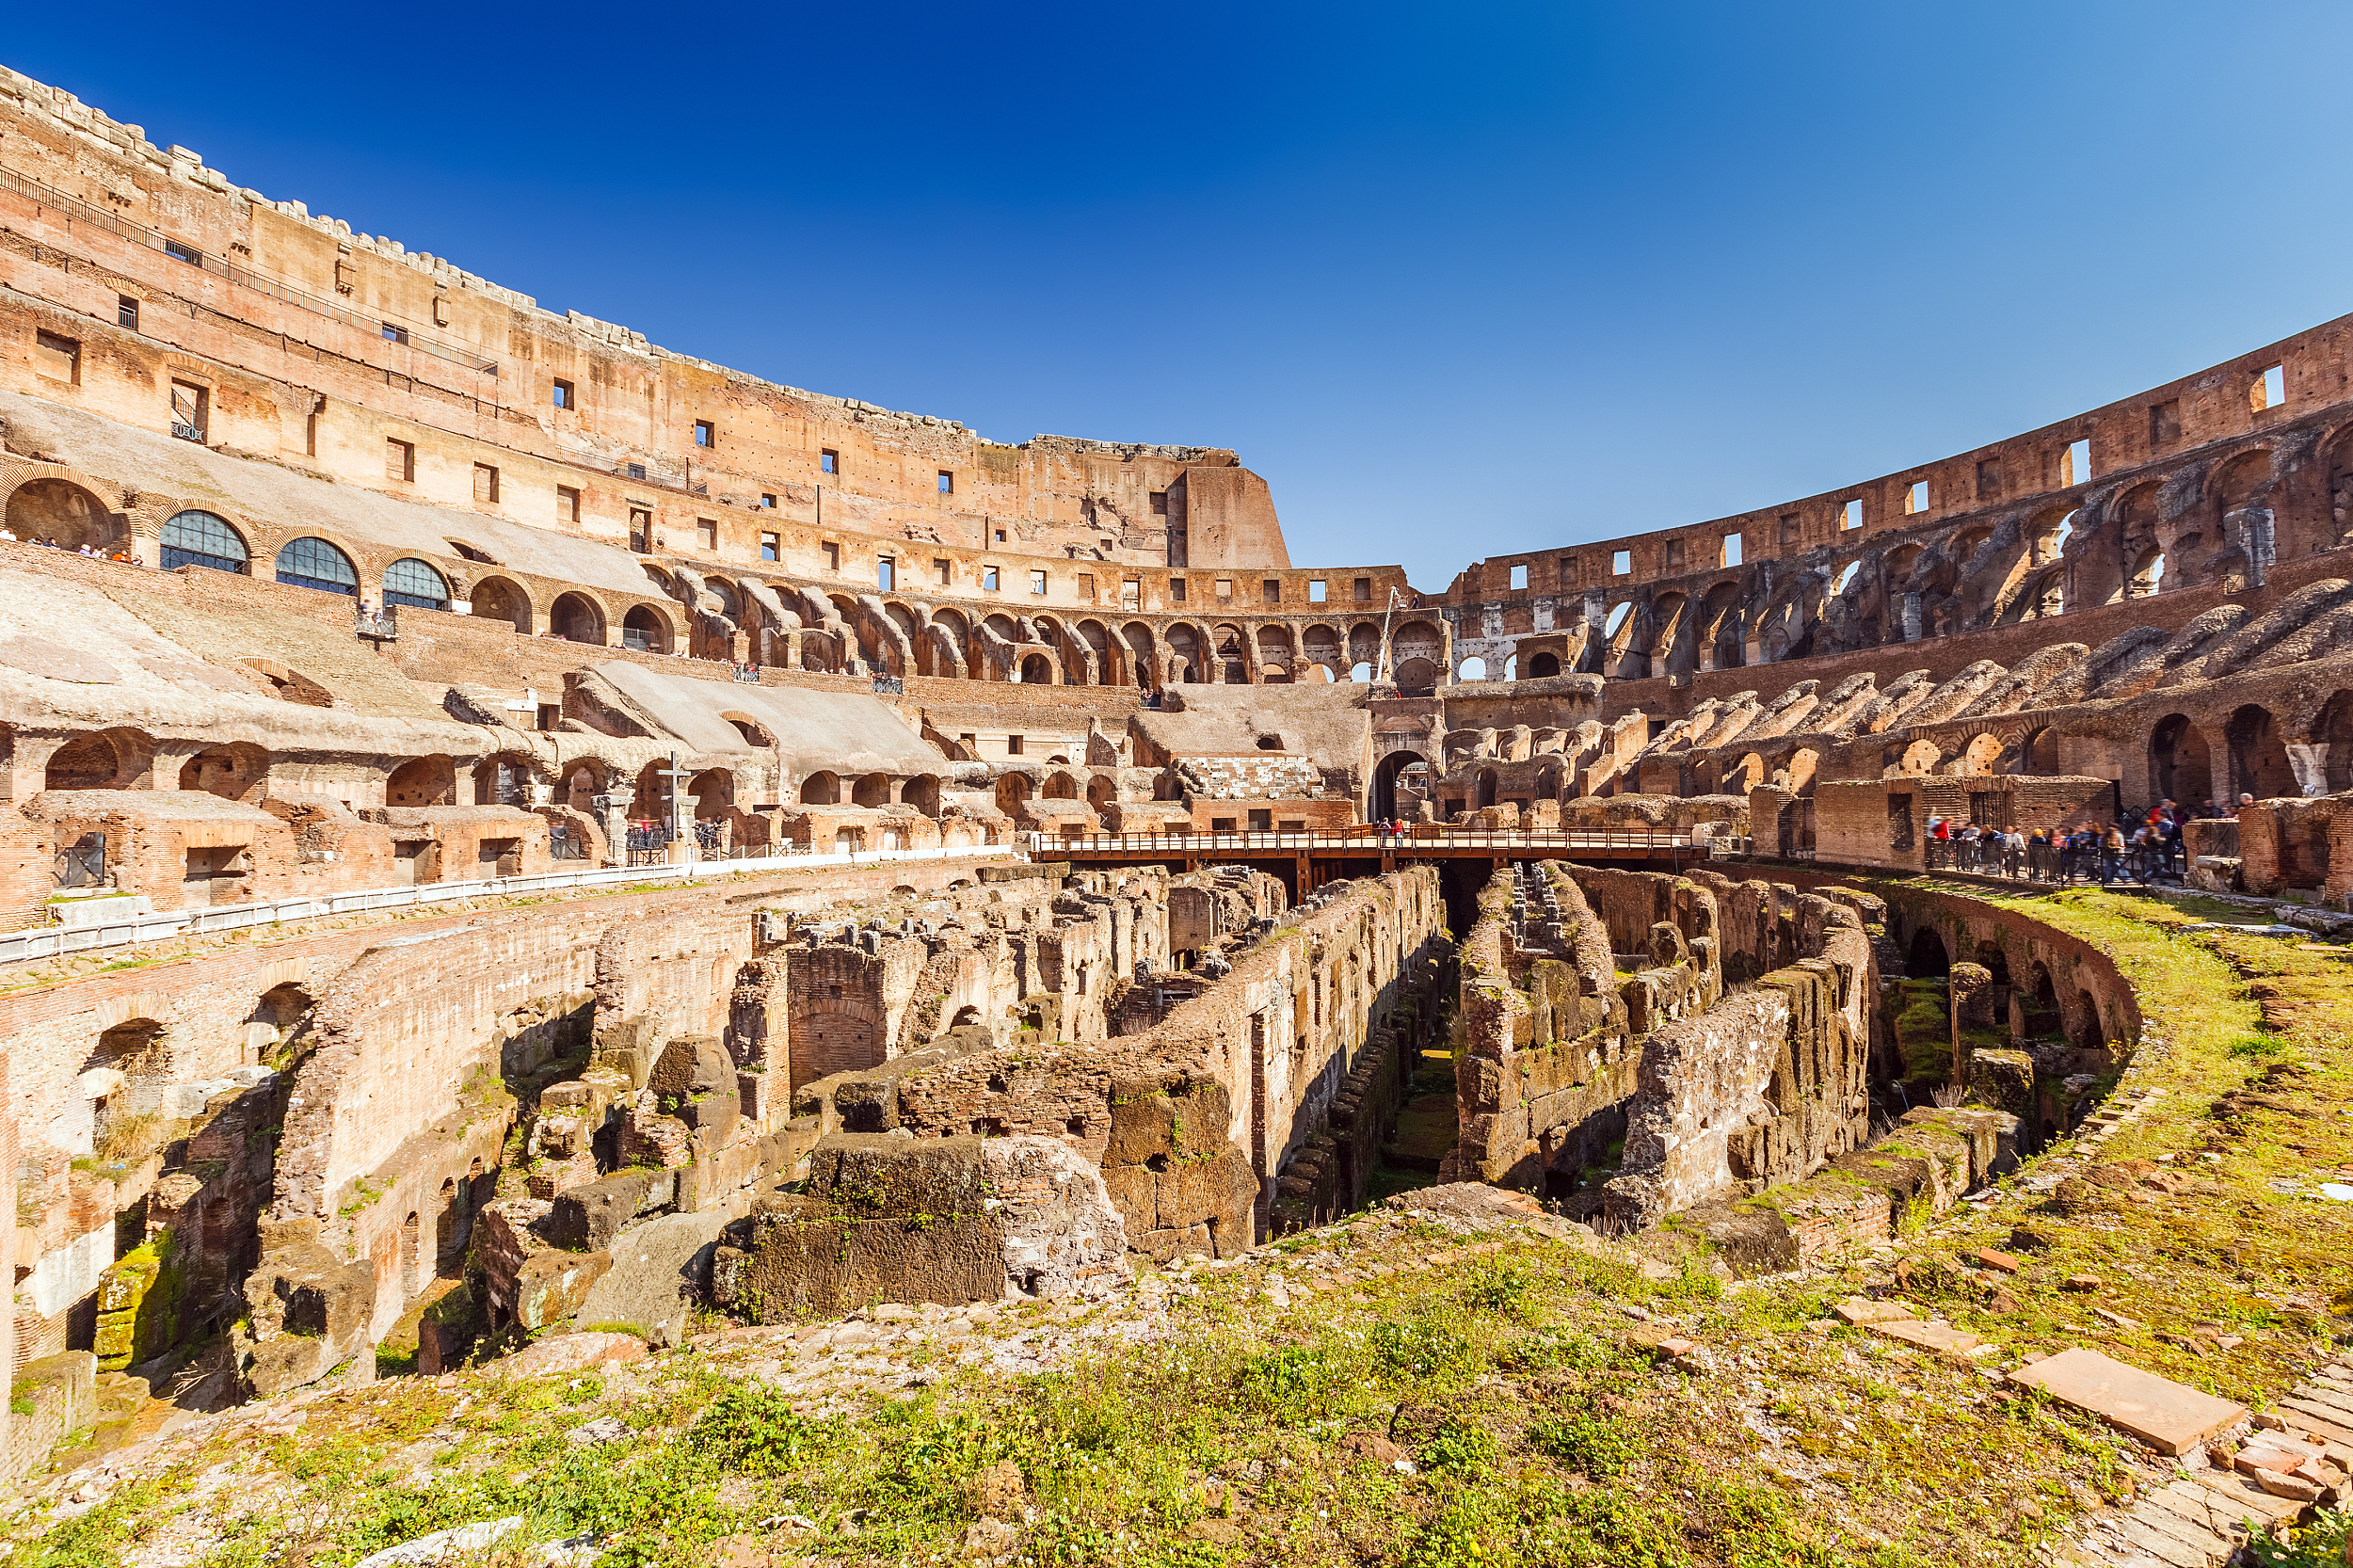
(2259, 760)
(1060, 786)
(2148, 574)
(576, 618)
(1542, 665)
(60, 512)
(1361, 672)
(2334, 732)
(714, 790)
(422, 781)
(2040, 755)
(1472, 668)
(201, 540)
(1383, 804)
(1511, 667)
(1486, 788)
(1925, 958)
(229, 772)
(502, 780)
(129, 1057)
(1036, 670)
(412, 1255)
(84, 762)
(873, 789)
(646, 630)
(821, 788)
(1013, 793)
(1102, 792)
(314, 563)
(2179, 766)
(415, 585)
(497, 599)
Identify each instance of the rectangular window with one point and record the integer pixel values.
(1038, 581)
(486, 484)
(1224, 587)
(885, 573)
(988, 579)
(1262, 822)
(1519, 577)
(1990, 478)
(1675, 555)
(179, 251)
(1791, 528)
(641, 530)
(1916, 498)
(400, 461)
(1159, 503)
(1898, 822)
(1732, 547)
(1013, 745)
(566, 503)
(1622, 563)
(704, 433)
(191, 405)
(829, 461)
(1363, 590)
(771, 548)
(1851, 515)
(707, 533)
(947, 482)
(1175, 590)
(943, 573)
(60, 359)
(970, 742)
(767, 502)
(1087, 587)
(2075, 464)
(126, 311)
(2270, 390)
(1270, 591)
(1001, 536)
(1317, 592)
(395, 333)
(2165, 423)
(833, 557)
(635, 471)
(1131, 593)
(563, 395)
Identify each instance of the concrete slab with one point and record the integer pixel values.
(1855, 1309)
(1941, 1338)
(2169, 1417)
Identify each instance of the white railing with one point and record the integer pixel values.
(1364, 840)
(52, 941)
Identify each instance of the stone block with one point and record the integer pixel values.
(659, 1272)
(2169, 1417)
(586, 1219)
(549, 1286)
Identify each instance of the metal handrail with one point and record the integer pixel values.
(78, 211)
(1368, 838)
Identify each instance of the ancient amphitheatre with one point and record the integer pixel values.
(644, 966)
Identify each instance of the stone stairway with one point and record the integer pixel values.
(2216, 1506)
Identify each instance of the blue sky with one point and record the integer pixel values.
(1458, 281)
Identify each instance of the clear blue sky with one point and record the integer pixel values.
(1459, 280)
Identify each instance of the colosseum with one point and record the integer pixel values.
(526, 853)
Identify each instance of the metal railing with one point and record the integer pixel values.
(1365, 840)
(75, 210)
(2054, 864)
(51, 941)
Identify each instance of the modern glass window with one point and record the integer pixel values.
(308, 563)
(201, 540)
(394, 332)
(409, 581)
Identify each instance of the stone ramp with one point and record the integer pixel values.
(2206, 1516)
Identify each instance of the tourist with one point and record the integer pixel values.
(2244, 802)
(7, 533)
(2111, 852)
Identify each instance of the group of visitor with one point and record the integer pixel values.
(128, 557)
(2091, 851)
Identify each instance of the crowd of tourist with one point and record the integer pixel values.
(2120, 851)
(126, 555)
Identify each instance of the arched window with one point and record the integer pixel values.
(308, 563)
(201, 540)
(409, 581)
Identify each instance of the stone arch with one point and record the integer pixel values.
(504, 779)
(1977, 757)
(2258, 753)
(1925, 958)
(2336, 527)
(422, 781)
(1230, 647)
(61, 511)
(411, 584)
(1187, 653)
(1012, 792)
(2038, 756)
(1382, 806)
(872, 789)
(1416, 655)
(1144, 661)
(1059, 786)
(1542, 665)
(1102, 792)
(1485, 785)
(311, 562)
(1472, 668)
(2333, 735)
(2181, 766)
(195, 538)
(1038, 670)
(821, 788)
(1275, 654)
(100, 759)
(239, 770)
(582, 783)
(501, 598)
(577, 618)
(646, 629)
(923, 793)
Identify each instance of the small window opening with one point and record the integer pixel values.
(566, 503)
(1001, 536)
(2270, 390)
(1363, 590)
(486, 484)
(1175, 590)
(126, 311)
(1790, 528)
(2075, 464)
(1159, 503)
(771, 549)
(395, 333)
(767, 502)
(1038, 581)
(833, 557)
(829, 461)
(707, 533)
(1519, 577)
(179, 251)
(1916, 498)
(1013, 745)
(988, 579)
(400, 460)
(58, 358)
(1989, 479)
(1622, 563)
(704, 433)
(563, 395)
(941, 572)
(635, 471)
(1851, 515)
(1316, 590)
(1270, 591)
(640, 530)
(1732, 548)
(2164, 422)
(947, 482)
(885, 573)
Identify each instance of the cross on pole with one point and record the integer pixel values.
(674, 774)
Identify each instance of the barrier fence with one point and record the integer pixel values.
(91, 935)
(1368, 842)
